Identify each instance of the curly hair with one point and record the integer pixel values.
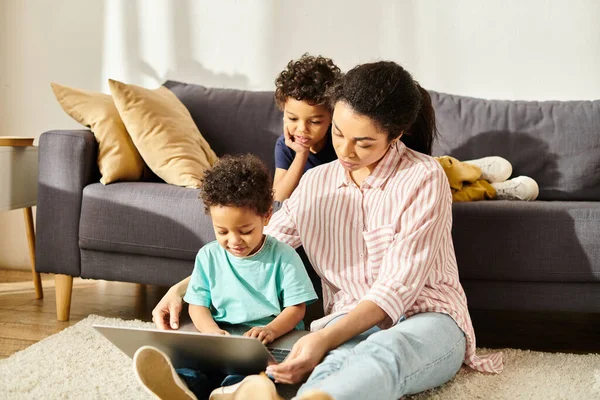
(238, 181)
(306, 79)
(388, 94)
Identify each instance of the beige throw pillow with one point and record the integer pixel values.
(164, 133)
(118, 159)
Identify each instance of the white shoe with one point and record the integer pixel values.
(156, 374)
(519, 188)
(493, 169)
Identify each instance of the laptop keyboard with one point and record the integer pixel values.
(278, 354)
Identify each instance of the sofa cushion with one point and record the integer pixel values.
(233, 121)
(532, 296)
(536, 241)
(144, 218)
(557, 143)
(133, 268)
(118, 159)
(164, 133)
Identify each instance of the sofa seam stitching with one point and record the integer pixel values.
(136, 244)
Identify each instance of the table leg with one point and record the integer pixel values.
(37, 282)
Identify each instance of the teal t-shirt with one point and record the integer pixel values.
(251, 290)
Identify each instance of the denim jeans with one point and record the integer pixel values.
(202, 384)
(419, 353)
(276, 206)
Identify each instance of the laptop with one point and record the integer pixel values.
(186, 348)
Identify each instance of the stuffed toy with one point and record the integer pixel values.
(486, 179)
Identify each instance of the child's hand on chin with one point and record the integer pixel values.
(262, 333)
(291, 143)
(217, 331)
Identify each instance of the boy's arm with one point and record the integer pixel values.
(203, 320)
(285, 181)
(289, 318)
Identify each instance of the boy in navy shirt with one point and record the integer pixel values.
(301, 93)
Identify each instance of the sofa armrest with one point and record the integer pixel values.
(67, 163)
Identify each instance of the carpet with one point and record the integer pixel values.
(79, 363)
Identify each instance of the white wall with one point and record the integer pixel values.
(530, 49)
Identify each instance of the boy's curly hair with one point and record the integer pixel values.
(238, 181)
(306, 79)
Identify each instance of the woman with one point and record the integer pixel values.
(376, 226)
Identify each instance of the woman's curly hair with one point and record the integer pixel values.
(238, 181)
(306, 79)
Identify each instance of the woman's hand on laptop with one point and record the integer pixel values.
(166, 313)
(262, 333)
(304, 357)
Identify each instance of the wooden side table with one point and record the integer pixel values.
(18, 188)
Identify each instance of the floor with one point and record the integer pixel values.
(25, 320)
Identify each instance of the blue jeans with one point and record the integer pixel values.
(202, 384)
(419, 353)
(276, 206)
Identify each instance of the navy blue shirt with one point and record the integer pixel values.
(284, 155)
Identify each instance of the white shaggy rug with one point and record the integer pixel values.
(78, 363)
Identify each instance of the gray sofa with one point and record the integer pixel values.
(542, 255)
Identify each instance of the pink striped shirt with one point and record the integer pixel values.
(388, 241)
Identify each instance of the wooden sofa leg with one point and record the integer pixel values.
(64, 288)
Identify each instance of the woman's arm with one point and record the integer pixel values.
(310, 350)
(282, 225)
(425, 226)
(203, 320)
(285, 322)
(363, 317)
(166, 313)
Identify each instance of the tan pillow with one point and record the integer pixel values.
(118, 159)
(164, 133)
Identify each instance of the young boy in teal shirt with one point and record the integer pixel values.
(243, 277)
(264, 283)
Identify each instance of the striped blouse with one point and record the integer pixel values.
(388, 241)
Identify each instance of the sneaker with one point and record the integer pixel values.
(253, 387)
(154, 371)
(519, 188)
(493, 169)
